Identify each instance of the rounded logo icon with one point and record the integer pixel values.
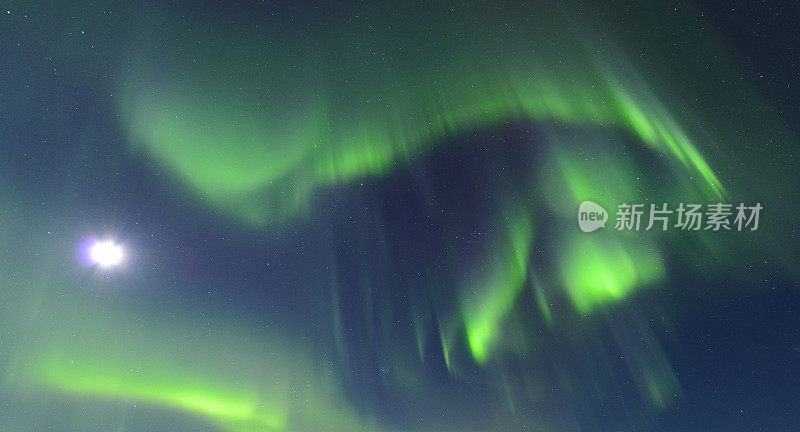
(591, 216)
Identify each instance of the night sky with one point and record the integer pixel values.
(355, 216)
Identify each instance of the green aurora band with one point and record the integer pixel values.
(260, 151)
(256, 133)
(259, 125)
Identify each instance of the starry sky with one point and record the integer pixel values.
(355, 216)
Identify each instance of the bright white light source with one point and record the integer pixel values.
(106, 253)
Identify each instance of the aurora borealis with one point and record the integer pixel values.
(362, 217)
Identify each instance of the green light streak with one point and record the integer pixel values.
(654, 126)
(218, 404)
(541, 302)
(486, 307)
